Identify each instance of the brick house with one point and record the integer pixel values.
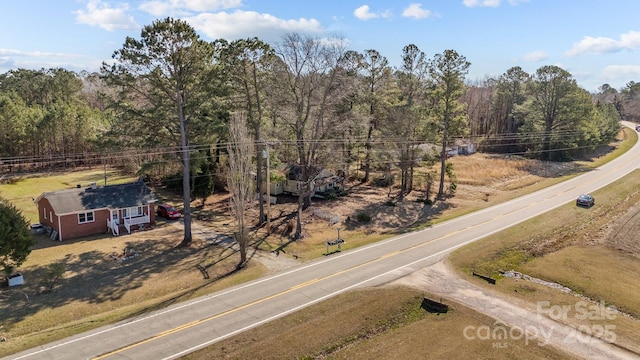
(79, 212)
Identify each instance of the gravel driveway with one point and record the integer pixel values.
(440, 280)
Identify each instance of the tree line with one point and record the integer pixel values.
(304, 100)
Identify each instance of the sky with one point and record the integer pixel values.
(597, 41)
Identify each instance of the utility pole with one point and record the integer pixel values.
(266, 154)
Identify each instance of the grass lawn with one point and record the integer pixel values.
(97, 290)
(22, 191)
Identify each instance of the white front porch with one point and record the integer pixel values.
(128, 217)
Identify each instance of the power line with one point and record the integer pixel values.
(534, 137)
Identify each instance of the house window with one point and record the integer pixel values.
(44, 211)
(85, 217)
(134, 211)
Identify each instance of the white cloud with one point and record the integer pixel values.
(535, 56)
(364, 13)
(490, 3)
(621, 72)
(160, 8)
(416, 11)
(11, 52)
(208, 5)
(601, 45)
(481, 3)
(11, 59)
(242, 24)
(20, 53)
(97, 13)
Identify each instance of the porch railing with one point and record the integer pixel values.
(113, 226)
(128, 222)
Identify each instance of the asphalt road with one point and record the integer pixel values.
(188, 326)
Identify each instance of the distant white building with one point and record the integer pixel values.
(323, 181)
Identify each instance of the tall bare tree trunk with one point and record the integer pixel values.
(241, 149)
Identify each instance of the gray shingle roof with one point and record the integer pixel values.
(107, 197)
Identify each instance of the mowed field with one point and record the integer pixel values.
(375, 323)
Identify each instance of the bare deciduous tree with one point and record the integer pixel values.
(308, 91)
(239, 179)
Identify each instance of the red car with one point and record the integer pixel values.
(168, 212)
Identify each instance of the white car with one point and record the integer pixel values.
(38, 229)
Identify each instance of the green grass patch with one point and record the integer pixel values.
(21, 191)
(628, 138)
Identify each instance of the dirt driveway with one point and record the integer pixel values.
(515, 315)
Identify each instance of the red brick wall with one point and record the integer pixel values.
(45, 206)
(72, 229)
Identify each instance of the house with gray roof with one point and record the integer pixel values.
(84, 211)
(322, 180)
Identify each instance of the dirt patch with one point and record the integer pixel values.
(482, 180)
(622, 233)
(508, 311)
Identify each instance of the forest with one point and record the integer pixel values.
(172, 107)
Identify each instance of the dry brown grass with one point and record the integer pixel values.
(486, 170)
(593, 251)
(483, 181)
(435, 335)
(555, 230)
(626, 330)
(97, 290)
(383, 323)
(601, 273)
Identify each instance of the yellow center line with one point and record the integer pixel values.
(391, 254)
(266, 298)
